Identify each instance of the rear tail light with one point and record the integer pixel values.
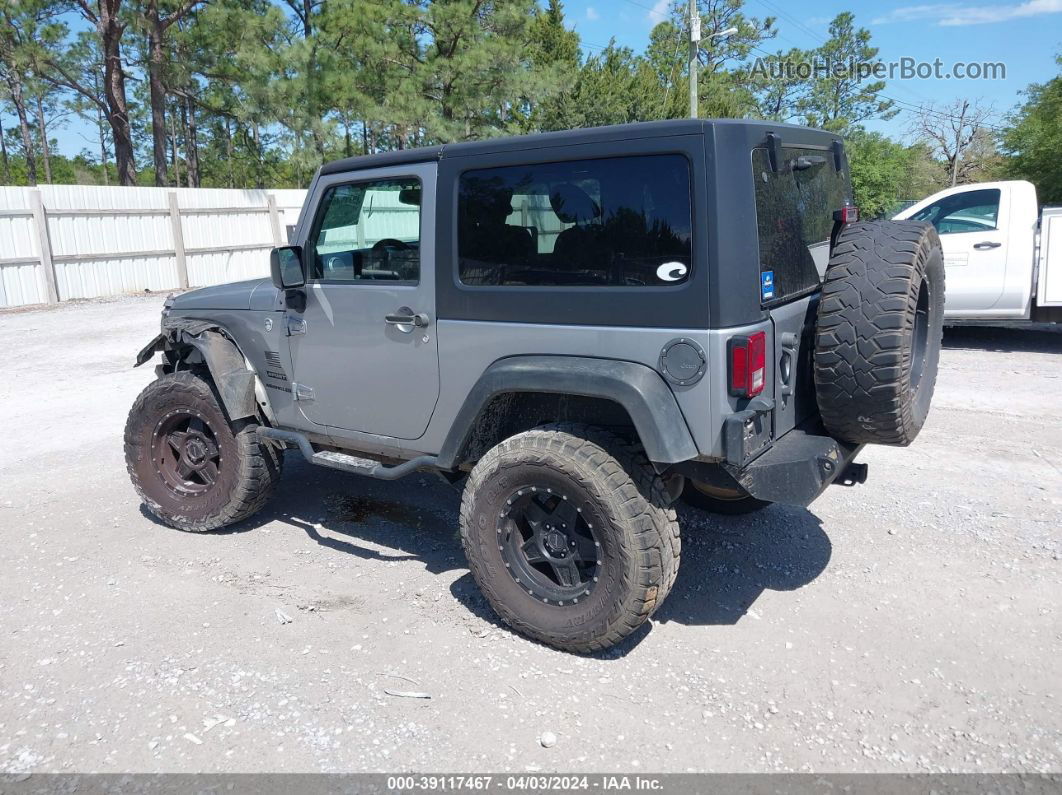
(748, 364)
(846, 215)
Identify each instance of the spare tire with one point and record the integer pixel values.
(877, 338)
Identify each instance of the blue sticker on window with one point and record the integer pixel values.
(766, 285)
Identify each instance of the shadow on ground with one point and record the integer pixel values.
(1040, 338)
(414, 518)
(727, 562)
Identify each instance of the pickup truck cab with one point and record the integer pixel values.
(1002, 254)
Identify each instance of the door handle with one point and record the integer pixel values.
(407, 318)
(986, 245)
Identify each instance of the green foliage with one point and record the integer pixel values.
(555, 56)
(261, 92)
(78, 170)
(551, 41)
(839, 99)
(884, 172)
(776, 86)
(878, 168)
(925, 174)
(612, 87)
(1033, 139)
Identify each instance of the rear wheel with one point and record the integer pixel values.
(192, 468)
(717, 499)
(568, 533)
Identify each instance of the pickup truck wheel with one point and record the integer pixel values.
(716, 499)
(569, 535)
(878, 333)
(194, 469)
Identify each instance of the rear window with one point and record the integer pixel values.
(608, 222)
(794, 219)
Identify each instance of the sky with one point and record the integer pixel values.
(1024, 36)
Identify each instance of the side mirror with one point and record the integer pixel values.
(285, 266)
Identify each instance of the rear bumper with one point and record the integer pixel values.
(798, 467)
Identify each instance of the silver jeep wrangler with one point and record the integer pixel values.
(578, 329)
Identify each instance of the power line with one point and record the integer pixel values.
(925, 105)
(642, 5)
(910, 107)
(771, 6)
(671, 79)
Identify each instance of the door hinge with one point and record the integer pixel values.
(301, 392)
(296, 325)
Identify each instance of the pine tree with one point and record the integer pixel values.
(838, 99)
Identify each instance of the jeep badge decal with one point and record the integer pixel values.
(671, 271)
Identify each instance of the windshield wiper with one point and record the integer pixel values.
(804, 162)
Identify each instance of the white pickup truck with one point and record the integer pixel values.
(1002, 254)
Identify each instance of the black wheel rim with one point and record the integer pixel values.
(186, 454)
(549, 547)
(920, 339)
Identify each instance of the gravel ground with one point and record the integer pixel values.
(910, 624)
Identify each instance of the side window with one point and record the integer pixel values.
(617, 222)
(368, 231)
(971, 211)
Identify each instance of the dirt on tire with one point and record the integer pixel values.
(248, 471)
(617, 487)
(878, 332)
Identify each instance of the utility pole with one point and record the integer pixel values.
(695, 39)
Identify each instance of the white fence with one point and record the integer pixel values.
(71, 241)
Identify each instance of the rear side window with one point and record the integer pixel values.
(794, 219)
(970, 211)
(615, 222)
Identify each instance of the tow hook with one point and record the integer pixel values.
(853, 473)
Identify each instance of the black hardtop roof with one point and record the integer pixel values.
(647, 129)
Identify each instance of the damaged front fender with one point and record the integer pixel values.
(228, 368)
(149, 350)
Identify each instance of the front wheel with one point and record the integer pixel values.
(193, 469)
(569, 535)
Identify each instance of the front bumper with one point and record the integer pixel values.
(798, 467)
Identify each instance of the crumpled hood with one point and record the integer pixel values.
(250, 294)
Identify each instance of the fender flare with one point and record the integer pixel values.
(228, 367)
(637, 388)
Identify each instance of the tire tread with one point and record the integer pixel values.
(609, 464)
(260, 466)
(862, 354)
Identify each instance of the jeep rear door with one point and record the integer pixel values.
(363, 349)
(797, 192)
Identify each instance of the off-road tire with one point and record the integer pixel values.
(248, 470)
(615, 485)
(878, 333)
(728, 506)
